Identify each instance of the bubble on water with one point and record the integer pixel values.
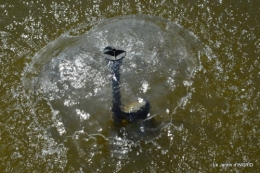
(60, 128)
(140, 100)
(145, 86)
(83, 115)
(187, 83)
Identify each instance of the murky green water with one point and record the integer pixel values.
(204, 94)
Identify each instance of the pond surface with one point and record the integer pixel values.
(196, 62)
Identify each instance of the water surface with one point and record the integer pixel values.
(204, 91)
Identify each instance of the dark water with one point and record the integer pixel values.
(197, 63)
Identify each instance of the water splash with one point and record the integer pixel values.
(70, 73)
